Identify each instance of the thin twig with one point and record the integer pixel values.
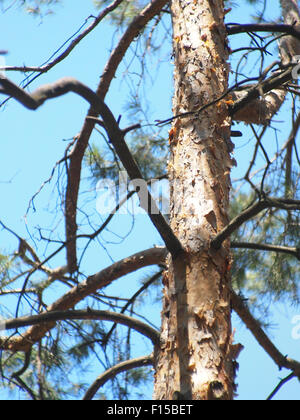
(88, 287)
(131, 301)
(252, 211)
(44, 68)
(280, 385)
(295, 252)
(116, 135)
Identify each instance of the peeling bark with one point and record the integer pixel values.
(194, 359)
(289, 46)
(261, 110)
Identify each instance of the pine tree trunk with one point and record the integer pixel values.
(194, 359)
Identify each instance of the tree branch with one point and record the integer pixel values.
(131, 301)
(46, 67)
(153, 8)
(280, 385)
(252, 211)
(61, 87)
(112, 372)
(54, 316)
(256, 91)
(74, 172)
(295, 252)
(89, 286)
(253, 325)
(236, 28)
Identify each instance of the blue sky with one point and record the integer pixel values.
(31, 143)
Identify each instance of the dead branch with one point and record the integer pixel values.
(236, 28)
(112, 372)
(61, 87)
(280, 385)
(134, 29)
(89, 286)
(252, 211)
(54, 316)
(147, 201)
(74, 173)
(253, 325)
(45, 68)
(295, 252)
(132, 300)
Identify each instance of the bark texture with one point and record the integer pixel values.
(194, 360)
(263, 109)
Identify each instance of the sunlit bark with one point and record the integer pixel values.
(194, 360)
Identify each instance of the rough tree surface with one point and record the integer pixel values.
(192, 354)
(196, 329)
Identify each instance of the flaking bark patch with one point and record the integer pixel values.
(195, 357)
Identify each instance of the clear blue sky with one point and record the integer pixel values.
(31, 143)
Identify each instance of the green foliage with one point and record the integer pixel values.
(125, 12)
(34, 7)
(263, 273)
(133, 380)
(149, 153)
(72, 348)
(5, 264)
(102, 163)
(44, 364)
(84, 343)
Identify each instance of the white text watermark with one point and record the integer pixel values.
(2, 65)
(296, 328)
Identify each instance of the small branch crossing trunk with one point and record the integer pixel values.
(194, 360)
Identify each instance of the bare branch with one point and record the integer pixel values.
(252, 211)
(261, 103)
(112, 372)
(54, 316)
(61, 87)
(39, 96)
(131, 301)
(16, 292)
(46, 67)
(82, 290)
(295, 252)
(253, 325)
(153, 8)
(280, 385)
(149, 204)
(138, 23)
(236, 28)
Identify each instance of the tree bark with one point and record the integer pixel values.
(194, 360)
(263, 109)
